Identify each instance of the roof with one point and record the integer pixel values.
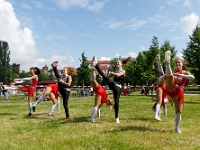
(45, 82)
(99, 62)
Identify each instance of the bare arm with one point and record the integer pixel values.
(117, 74)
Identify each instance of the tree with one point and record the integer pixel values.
(83, 72)
(191, 54)
(5, 71)
(151, 70)
(165, 47)
(43, 76)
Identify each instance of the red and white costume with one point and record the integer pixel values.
(31, 88)
(179, 83)
(164, 93)
(54, 89)
(100, 90)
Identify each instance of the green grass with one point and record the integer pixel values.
(137, 128)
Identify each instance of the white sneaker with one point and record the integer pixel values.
(158, 58)
(94, 61)
(92, 121)
(91, 67)
(157, 118)
(167, 56)
(117, 120)
(177, 130)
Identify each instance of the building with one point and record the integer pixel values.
(15, 68)
(103, 65)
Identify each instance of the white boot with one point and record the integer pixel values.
(93, 114)
(157, 112)
(177, 122)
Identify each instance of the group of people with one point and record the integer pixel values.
(52, 91)
(171, 85)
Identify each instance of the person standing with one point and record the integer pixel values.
(64, 84)
(34, 72)
(175, 85)
(125, 89)
(128, 89)
(4, 92)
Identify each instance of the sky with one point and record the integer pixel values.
(41, 31)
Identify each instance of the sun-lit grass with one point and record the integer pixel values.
(137, 129)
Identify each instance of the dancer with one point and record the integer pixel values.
(116, 84)
(51, 92)
(34, 71)
(100, 96)
(175, 85)
(161, 95)
(64, 83)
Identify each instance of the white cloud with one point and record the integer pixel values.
(134, 24)
(131, 24)
(113, 24)
(105, 58)
(26, 6)
(91, 5)
(132, 54)
(20, 40)
(37, 4)
(187, 3)
(171, 2)
(63, 61)
(143, 48)
(189, 22)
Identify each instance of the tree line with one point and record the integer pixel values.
(141, 70)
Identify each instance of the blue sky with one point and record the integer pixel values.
(39, 32)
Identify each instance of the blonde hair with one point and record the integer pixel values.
(70, 70)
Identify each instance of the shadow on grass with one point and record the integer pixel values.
(135, 128)
(143, 119)
(5, 114)
(192, 102)
(75, 120)
(37, 116)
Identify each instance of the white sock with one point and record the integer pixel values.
(39, 100)
(165, 113)
(30, 107)
(157, 113)
(92, 76)
(93, 114)
(168, 70)
(99, 112)
(52, 108)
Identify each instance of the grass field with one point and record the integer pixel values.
(137, 128)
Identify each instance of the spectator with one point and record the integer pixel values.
(4, 92)
(128, 91)
(125, 89)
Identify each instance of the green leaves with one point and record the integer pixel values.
(191, 54)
